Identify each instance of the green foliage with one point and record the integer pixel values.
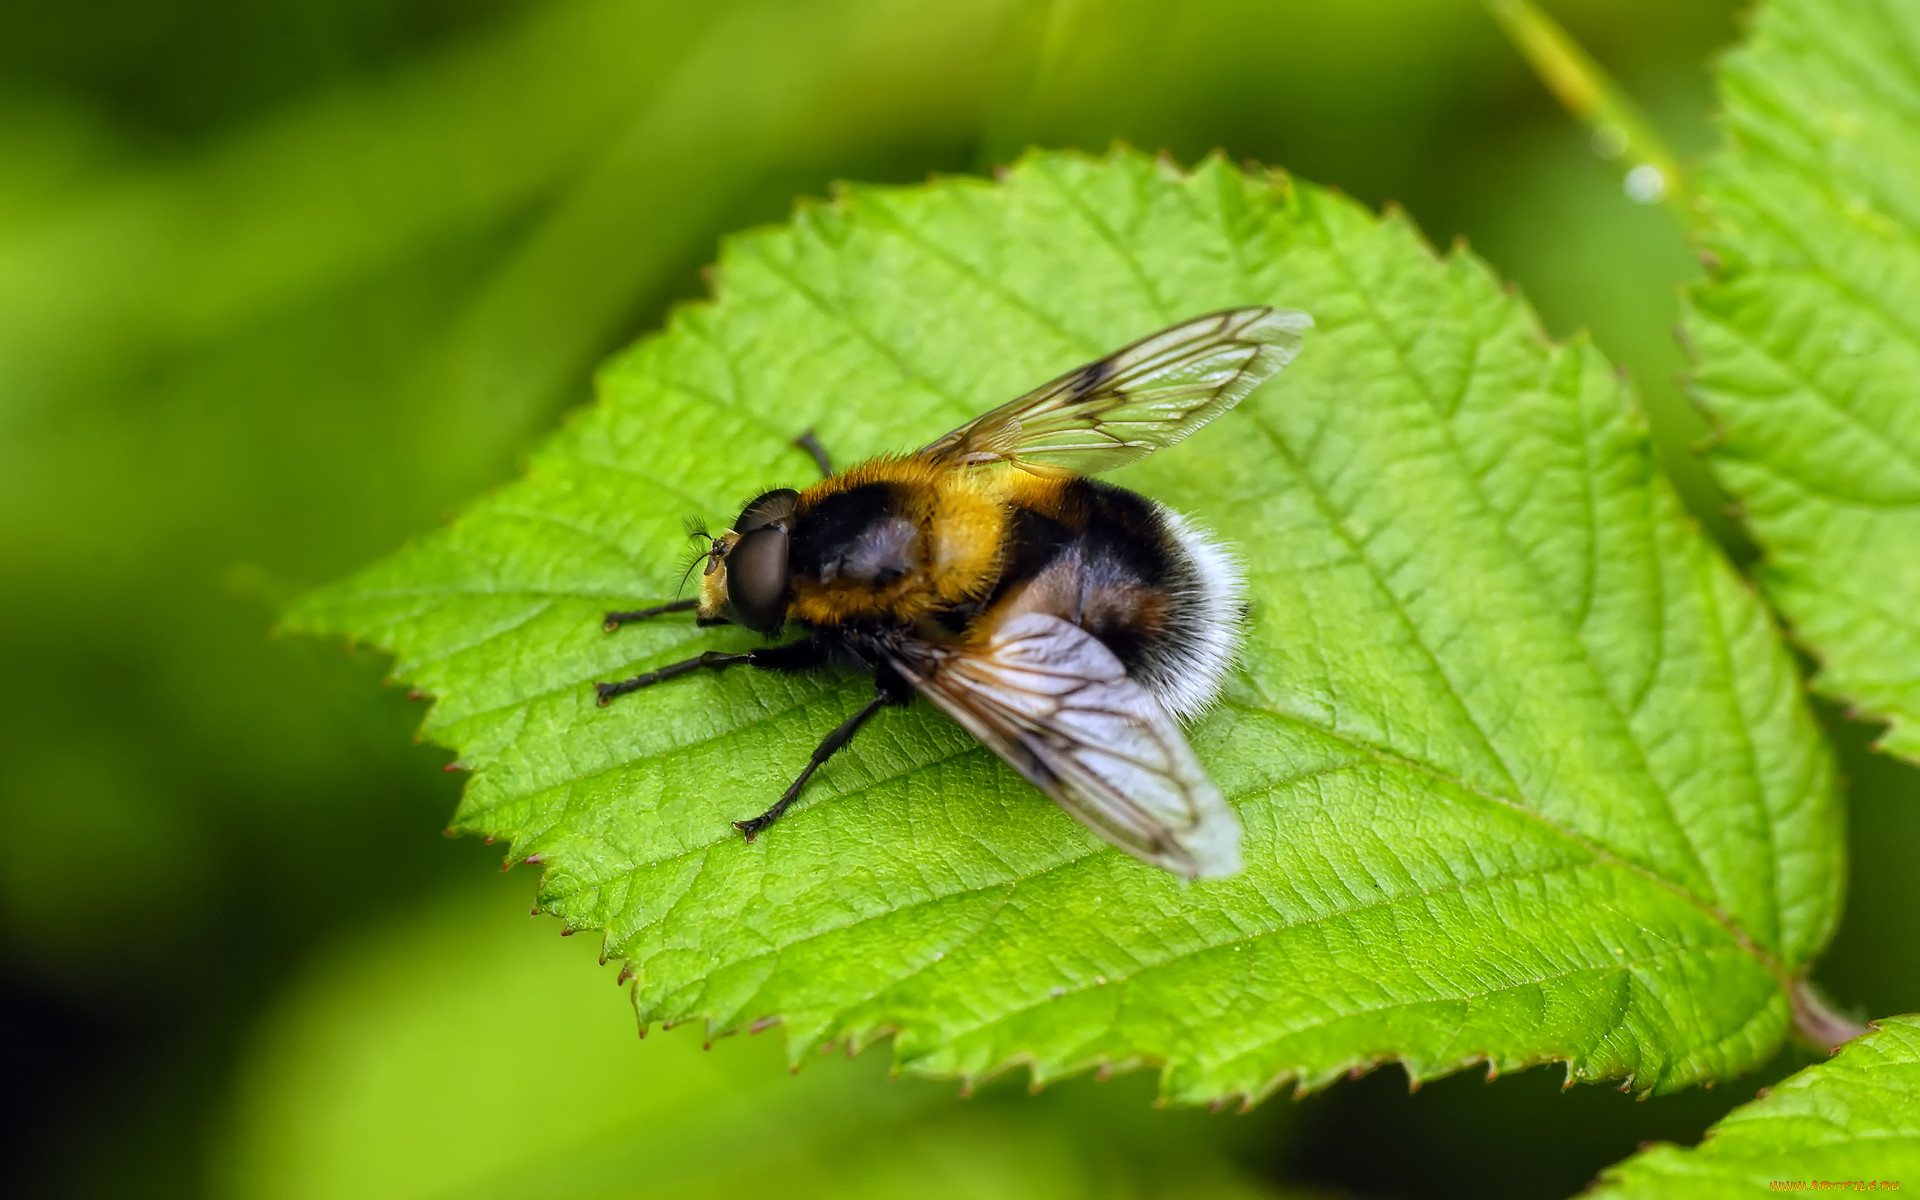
(1855, 1118)
(1524, 771)
(1806, 343)
(467, 1051)
(298, 343)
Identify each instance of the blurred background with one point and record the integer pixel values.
(282, 282)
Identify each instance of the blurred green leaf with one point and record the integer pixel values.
(1524, 770)
(466, 1051)
(333, 188)
(1852, 1119)
(462, 241)
(1805, 338)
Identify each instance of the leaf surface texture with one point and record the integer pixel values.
(1523, 767)
(1807, 335)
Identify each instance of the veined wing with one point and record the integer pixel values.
(1056, 704)
(1136, 400)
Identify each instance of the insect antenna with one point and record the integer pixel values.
(694, 558)
(696, 527)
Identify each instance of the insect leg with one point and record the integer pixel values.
(812, 446)
(829, 746)
(713, 659)
(794, 656)
(615, 620)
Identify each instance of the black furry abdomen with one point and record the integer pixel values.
(1114, 563)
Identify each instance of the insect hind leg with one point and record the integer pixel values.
(832, 744)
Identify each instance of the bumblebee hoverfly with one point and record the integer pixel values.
(1066, 623)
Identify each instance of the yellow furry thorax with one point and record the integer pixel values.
(962, 517)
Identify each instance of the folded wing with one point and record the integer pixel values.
(1056, 704)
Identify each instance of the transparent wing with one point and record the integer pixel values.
(1056, 704)
(1137, 400)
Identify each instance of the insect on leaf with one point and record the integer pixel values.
(1807, 335)
(1523, 769)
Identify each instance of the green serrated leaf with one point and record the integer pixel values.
(1854, 1120)
(1524, 770)
(1807, 340)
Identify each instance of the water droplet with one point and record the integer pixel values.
(1609, 141)
(1646, 184)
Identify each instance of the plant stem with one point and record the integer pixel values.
(1620, 131)
(1819, 1024)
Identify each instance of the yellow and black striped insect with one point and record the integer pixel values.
(1066, 623)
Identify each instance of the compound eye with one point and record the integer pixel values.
(777, 506)
(757, 578)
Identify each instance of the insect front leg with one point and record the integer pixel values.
(794, 656)
(615, 620)
(812, 446)
(889, 689)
